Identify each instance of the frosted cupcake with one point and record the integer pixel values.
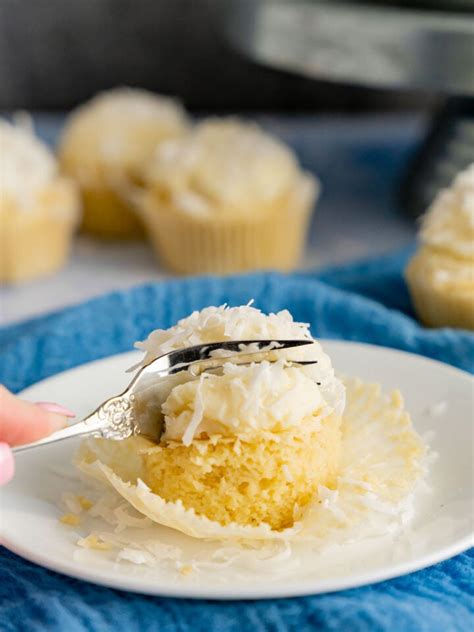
(225, 198)
(262, 451)
(251, 445)
(39, 209)
(441, 274)
(104, 145)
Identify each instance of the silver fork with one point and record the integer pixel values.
(116, 419)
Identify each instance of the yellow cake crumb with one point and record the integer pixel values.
(186, 570)
(93, 541)
(70, 519)
(84, 502)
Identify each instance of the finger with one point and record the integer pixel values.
(22, 422)
(7, 465)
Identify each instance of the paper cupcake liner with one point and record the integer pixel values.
(193, 245)
(108, 215)
(36, 242)
(382, 462)
(438, 305)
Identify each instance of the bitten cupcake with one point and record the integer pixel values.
(251, 445)
(227, 197)
(260, 451)
(441, 274)
(105, 143)
(38, 209)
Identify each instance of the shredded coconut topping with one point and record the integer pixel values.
(275, 394)
(116, 132)
(216, 324)
(223, 166)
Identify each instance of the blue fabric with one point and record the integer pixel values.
(366, 302)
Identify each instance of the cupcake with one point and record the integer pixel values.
(249, 445)
(39, 209)
(262, 451)
(441, 274)
(227, 197)
(104, 144)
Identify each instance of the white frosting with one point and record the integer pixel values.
(449, 223)
(298, 389)
(223, 166)
(26, 165)
(263, 396)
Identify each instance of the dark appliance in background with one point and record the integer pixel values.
(313, 55)
(398, 45)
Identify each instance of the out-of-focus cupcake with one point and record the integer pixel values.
(227, 197)
(38, 208)
(104, 145)
(441, 274)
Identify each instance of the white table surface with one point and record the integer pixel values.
(359, 161)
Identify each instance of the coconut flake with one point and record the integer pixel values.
(197, 415)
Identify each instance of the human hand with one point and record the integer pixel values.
(22, 422)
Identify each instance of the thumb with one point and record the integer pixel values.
(22, 422)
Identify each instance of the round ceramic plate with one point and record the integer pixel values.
(440, 400)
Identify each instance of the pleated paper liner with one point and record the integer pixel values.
(383, 462)
(272, 238)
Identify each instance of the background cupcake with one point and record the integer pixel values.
(38, 209)
(227, 197)
(441, 274)
(104, 144)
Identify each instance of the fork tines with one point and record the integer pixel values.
(205, 351)
(206, 354)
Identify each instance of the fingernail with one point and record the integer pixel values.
(7, 464)
(51, 407)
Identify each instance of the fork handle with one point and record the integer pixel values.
(90, 425)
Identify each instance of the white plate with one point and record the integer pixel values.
(440, 399)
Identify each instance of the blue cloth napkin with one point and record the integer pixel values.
(365, 302)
